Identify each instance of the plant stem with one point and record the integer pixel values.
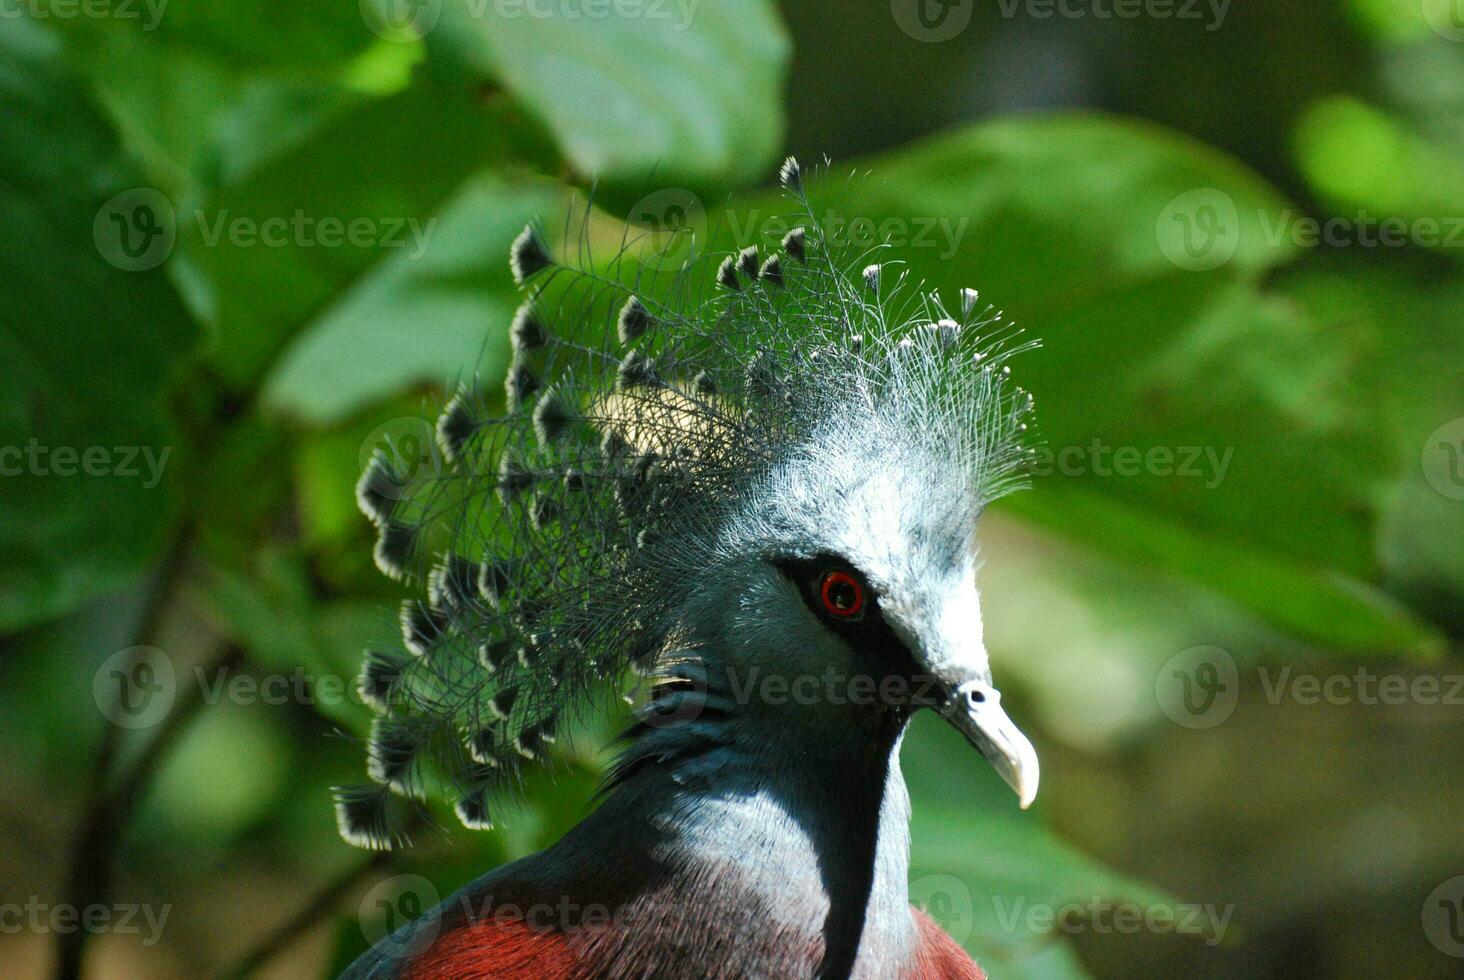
(89, 879)
(322, 903)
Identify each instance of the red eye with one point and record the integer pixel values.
(842, 594)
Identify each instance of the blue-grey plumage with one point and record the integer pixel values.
(776, 481)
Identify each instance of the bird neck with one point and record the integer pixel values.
(792, 825)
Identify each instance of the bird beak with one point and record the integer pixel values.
(974, 708)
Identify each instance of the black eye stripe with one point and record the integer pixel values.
(834, 591)
(868, 631)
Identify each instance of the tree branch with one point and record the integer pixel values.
(318, 906)
(89, 880)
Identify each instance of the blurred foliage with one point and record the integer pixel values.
(267, 373)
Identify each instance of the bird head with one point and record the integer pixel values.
(847, 578)
(782, 477)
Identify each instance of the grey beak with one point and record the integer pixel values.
(974, 708)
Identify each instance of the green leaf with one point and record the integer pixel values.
(1080, 639)
(91, 350)
(1086, 199)
(1312, 603)
(227, 771)
(1417, 374)
(315, 647)
(1361, 157)
(268, 610)
(193, 116)
(436, 311)
(680, 92)
(1395, 20)
(1047, 960)
(986, 871)
(267, 256)
(254, 32)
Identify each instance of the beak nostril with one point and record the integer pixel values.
(975, 709)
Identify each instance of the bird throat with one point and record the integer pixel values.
(783, 853)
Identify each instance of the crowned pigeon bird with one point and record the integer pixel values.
(756, 490)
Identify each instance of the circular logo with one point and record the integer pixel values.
(1446, 17)
(135, 688)
(401, 20)
(409, 444)
(931, 21)
(392, 906)
(947, 900)
(1443, 917)
(672, 227)
(1443, 459)
(1198, 687)
(1199, 230)
(667, 708)
(136, 229)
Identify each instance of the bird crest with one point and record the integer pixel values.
(643, 415)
